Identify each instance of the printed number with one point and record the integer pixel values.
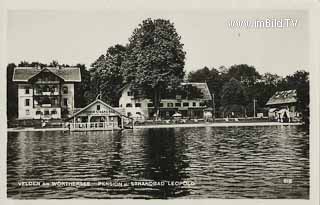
(287, 181)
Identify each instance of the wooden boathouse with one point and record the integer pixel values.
(98, 115)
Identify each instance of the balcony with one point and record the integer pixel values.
(47, 93)
(47, 113)
(45, 101)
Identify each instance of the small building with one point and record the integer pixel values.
(282, 106)
(98, 115)
(46, 93)
(143, 108)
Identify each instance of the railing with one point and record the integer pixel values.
(94, 126)
(47, 93)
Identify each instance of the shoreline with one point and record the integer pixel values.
(230, 124)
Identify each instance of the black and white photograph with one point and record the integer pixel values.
(158, 104)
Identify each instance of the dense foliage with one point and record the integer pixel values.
(107, 76)
(155, 59)
(256, 87)
(233, 97)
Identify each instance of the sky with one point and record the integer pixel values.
(72, 37)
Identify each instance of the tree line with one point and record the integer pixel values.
(153, 61)
(236, 88)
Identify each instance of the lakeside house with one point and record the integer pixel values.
(143, 108)
(98, 115)
(282, 106)
(46, 93)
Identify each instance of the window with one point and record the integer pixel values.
(38, 112)
(170, 104)
(194, 104)
(138, 113)
(130, 93)
(178, 104)
(27, 103)
(185, 104)
(98, 107)
(46, 112)
(27, 112)
(27, 91)
(129, 114)
(65, 101)
(65, 90)
(53, 112)
(150, 104)
(138, 104)
(120, 105)
(202, 104)
(128, 105)
(161, 104)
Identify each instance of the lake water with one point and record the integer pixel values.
(210, 162)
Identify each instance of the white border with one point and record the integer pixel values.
(172, 5)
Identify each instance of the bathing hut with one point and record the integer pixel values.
(282, 106)
(98, 115)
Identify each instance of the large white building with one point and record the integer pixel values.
(46, 93)
(143, 108)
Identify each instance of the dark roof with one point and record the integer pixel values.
(203, 87)
(283, 97)
(68, 74)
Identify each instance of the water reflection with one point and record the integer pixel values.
(228, 162)
(164, 159)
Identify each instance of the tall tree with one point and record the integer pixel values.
(300, 82)
(82, 90)
(247, 75)
(12, 94)
(155, 59)
(107, 74)
(233, 98)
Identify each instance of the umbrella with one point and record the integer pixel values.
(176, 115)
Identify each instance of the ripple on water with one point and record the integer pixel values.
(225, 162)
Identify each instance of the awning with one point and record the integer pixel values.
(273, 109)
(176, 115)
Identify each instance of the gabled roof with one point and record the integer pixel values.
(283, 97)
(92, 104)
(68, 74)
(203, 87)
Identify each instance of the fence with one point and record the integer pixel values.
(94, 126)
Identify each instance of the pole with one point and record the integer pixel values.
(254, 107)
(213, 108)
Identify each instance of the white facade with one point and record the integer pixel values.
(28, 107)
(46, 93)
(133, 107)
(143, 108)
